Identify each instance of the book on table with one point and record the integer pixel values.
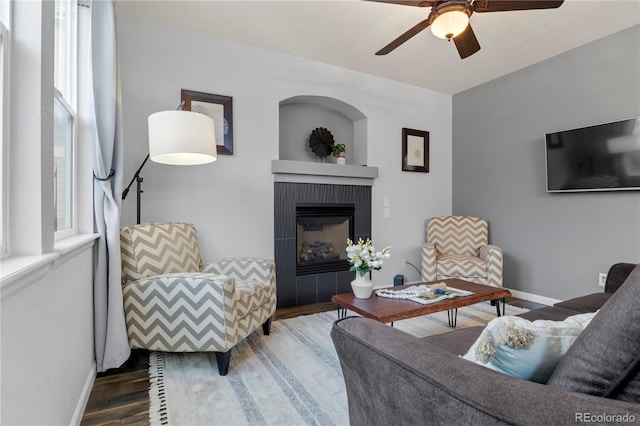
(437, 295)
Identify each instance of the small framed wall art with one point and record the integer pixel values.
(415, 150)
(220, 109)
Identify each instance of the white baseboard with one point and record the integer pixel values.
(534, 297)
(84, 396)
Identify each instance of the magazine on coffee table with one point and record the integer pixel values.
(437, 295)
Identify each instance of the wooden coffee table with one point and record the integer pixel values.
(388, 310)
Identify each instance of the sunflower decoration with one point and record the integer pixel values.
(321, 142)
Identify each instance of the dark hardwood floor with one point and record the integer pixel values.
(121, 396)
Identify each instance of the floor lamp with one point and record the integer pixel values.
(178, 138)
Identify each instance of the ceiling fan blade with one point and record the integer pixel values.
(405, 36)
(417, 3)
(481, 6)
(466, 42)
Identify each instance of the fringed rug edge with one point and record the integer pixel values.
(158, 414)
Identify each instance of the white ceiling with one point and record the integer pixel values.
(347, 33)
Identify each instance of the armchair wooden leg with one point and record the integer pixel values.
(134, 358)
(223, 359)
(266, 326)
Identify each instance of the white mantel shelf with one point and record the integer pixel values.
(328, 173)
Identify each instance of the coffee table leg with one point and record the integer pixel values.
(504, 303)
(342, 312)
(452, 316)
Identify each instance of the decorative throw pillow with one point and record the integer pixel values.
(526, 349)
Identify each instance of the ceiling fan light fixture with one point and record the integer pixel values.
(450, 23)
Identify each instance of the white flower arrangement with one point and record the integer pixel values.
(363, 256)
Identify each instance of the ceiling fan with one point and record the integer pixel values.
(449, 19)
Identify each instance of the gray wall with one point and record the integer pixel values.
(554, 244)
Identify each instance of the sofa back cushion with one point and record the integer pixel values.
(617, 274)
(155, 249)
(605, 359)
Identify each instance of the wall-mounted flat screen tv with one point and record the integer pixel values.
(605, 157)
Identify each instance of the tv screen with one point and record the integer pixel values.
(605, 157)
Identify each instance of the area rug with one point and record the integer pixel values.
(291, 377)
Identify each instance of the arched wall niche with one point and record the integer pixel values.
(299, 115)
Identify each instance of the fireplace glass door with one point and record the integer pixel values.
(321, 237)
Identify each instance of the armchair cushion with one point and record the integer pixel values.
(155, 249)
(462, 235)
(453, 265)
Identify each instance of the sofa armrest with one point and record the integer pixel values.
(394, 378)
(428, 262)
(617, 274)
(492, 256)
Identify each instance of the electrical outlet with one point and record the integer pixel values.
(602, 278)
(404, 262)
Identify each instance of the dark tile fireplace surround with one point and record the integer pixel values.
(297, 289)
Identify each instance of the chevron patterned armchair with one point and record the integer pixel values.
(458, 247)
(174, 302)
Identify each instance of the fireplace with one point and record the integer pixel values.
(321, 237)
(328, 214)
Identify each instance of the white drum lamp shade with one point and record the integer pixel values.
(181, 138)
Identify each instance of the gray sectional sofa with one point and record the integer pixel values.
(394, 378)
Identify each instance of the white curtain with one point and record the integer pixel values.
(100, 125)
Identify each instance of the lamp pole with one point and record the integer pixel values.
(138, 179)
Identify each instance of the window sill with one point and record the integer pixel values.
(68, 245)
(19, 269)
(17, 272)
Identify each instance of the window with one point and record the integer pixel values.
(63, 172)
(4, 122)
(64, 112)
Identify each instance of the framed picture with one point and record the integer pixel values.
(220, 109)
(415, 151)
